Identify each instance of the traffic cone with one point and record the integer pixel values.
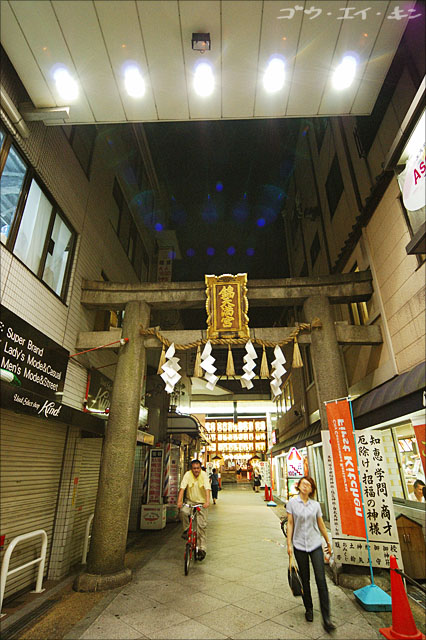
(266, 498)
(403, 625)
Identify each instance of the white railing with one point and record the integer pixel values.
(86, 539)
(6, 560)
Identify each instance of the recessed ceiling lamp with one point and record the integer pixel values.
(203, 80)
(65, 84)
(273, 79)
(134, 82)
(345, 73)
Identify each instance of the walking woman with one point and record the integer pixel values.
(304, 528)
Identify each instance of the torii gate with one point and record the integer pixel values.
(105, 569)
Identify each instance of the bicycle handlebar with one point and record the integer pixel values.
(192, 505)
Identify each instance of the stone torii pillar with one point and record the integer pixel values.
(105, 569)
(329, 373)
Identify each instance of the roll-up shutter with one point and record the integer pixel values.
(31, 455)
(86, 494)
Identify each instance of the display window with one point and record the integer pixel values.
(412, 472)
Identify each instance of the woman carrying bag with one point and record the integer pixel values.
(304, 528)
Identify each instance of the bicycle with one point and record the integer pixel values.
(191, 548)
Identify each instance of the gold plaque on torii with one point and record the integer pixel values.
(227, 306)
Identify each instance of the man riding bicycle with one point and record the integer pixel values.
(197, 485)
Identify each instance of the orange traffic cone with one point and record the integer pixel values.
(266, 498)
(403, 625)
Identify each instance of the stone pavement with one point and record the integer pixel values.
(239, 591)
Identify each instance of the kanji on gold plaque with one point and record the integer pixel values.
(227, 306)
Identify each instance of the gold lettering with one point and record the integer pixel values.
(227, 306)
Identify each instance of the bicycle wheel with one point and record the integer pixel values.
(284, 523)
(188, 553)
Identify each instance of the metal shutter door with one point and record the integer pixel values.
(87, 491)
(31, 454)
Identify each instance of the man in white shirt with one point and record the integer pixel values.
(197, 485)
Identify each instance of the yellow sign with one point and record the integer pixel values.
(227, 306)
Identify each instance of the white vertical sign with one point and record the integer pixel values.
(382, 530)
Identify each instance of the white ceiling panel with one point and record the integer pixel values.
(21, 56)
(161, 33)
(81, 29)
(353, 38)
(49, 50)
(240, 28)
(95, 38)
(387, 41)
(200, 17)
(123, 38)
(315, 51)
(279, 37)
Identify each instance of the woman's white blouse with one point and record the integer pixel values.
(306, 533)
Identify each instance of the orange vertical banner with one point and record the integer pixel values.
(345, 468)
(420, 431)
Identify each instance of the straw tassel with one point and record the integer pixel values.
(198, 372)
(162, 360)
(230, 370)
(316, 323)
(264, 369)
(297, 358)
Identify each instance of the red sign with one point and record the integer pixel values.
(345, 468)
(420, 431)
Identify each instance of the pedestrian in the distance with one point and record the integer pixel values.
(214, 481)
(256, 480)
(304, 528)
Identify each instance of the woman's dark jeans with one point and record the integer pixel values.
(317, 558)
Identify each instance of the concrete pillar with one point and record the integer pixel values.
(105, 568)
(329, 374)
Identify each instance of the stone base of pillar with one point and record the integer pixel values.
(102, 582)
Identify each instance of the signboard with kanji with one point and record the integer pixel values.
(378, 505)
(155, 480)
(294, 463)
(227, 306)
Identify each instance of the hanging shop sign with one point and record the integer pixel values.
(378, 505)
(99, 392)
(165, 264)
(345, 468)
(37, 363)
(155, 479)
(265, 473)
(227, 306)
(295, 467)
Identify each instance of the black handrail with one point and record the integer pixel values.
(404, 575)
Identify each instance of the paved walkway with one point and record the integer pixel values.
(239, 591)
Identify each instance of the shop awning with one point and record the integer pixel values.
(310, 433)
(178, 423)
(397, 397)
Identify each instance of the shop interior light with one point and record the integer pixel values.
(274, 76)
(134, 82)
(65, 84)
(203, 79)
(345, 73)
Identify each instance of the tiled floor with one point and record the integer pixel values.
(239, 591)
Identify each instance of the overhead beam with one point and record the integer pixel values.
(346, 334)
(339, 288)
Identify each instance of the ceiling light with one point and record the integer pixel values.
(201, 42)
(273, 80)
(65, 84)
(203, 80)
(345, 73)
(134, 82)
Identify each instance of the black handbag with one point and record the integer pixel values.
(294, 579)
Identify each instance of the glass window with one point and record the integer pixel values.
(32, 232)
(58, 255)
(334, 186)
(11, 182)
(411, 465)
(83, 141)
